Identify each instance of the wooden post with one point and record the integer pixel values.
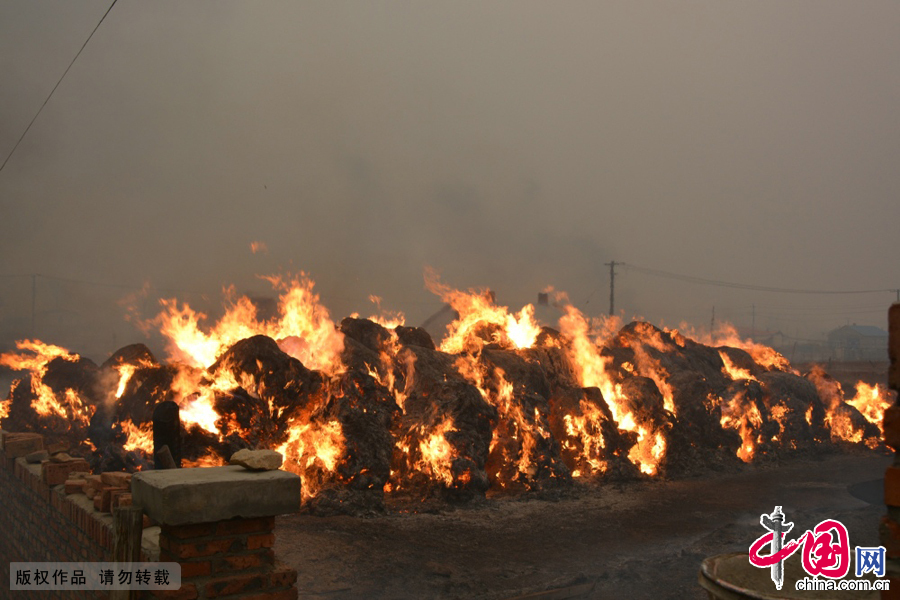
(166, 432)
(164, 459)
(129, 529)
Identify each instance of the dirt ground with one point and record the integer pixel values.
(637, 540)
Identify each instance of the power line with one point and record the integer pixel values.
(744, 286)
(56, 86)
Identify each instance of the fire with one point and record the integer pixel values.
(34, 356)
(477, 314)
(594, 398)
(725, 334)
(733, 371)
(871, 401)
(650, 367)
(437, 453)
(312, 446)
(587, 428)
(743, 417)
(303, 328)
(139, 438)
(595, 370)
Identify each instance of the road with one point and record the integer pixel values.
(637, 540)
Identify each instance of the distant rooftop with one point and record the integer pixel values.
(863, 330)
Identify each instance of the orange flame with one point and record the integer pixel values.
(309, 446)
(594, 370)
(477, 311)
(303, 328)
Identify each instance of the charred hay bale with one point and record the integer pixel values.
(34, 407)
(788, 399)
(742, 360)
(670, 353)
(698, 413)
(80, 375)
(554, 364)
(524, 453)
(414, 336)
(244, 420)
(619, 357)
(842, 420)
(644, 401)
(368, 333)
(114, 457)
(133, 354)
(147, 387)
(590, 441)
(549, 338)
(356, 356)
(198, 444)
(530, 375)
(697, 440)
(441, 405)
(22, 417)
(276, 377)
(848, 425)
(367, 412)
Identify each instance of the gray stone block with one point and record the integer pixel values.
(202, 495)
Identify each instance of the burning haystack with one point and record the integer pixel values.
(370, 406)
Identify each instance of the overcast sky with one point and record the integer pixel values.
(510, 145)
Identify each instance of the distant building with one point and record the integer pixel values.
(858, 342)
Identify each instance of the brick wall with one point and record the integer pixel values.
(227, 558)
(232, 558)
(40, 523)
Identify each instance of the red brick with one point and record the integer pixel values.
(74, 486)
(194, 569)
(114, 495)
(146, 522)
(199, 549)
(186, 532)
(238, 526)
(57, 473)
(166, 556)
(254, 542)
(123, 500)
(892, 486)
(20, 444)
(235, 584)
(116, 479)
(241, 562)
(282, 576)
(57, 447)
(98, 503)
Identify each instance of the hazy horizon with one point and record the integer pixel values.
(510, 145)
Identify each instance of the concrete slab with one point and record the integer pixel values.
(202, 495)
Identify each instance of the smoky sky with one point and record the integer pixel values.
(510, 145)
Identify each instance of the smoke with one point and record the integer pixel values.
(510, 145)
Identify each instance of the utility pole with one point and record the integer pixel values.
(712, 321)
(753, 322)
(33, 295)
(612, 287)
